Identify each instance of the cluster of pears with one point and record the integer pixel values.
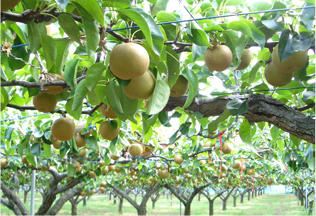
(130, 61)
(281, 73)
(45, 101)
(219, 58)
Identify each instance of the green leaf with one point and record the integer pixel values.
(50, 50)
(295, 140)
(311, 163)
(161, 5)
(93, 8)
(261, 125)
(197, 35)
(118, 4)
(257, 35)
(198, 51)
(71, 170)
(36, 149)
(272, 24)
(130, 107)
(76, 114)
(47, 151)
(19, 32)
(8, 133)
(260, 5)
(275, 133)
(62, 46)
(253, 72)
(31, 159)
(70, 72)
(91, 142)
(159, 98)
(80, 94)
(148, 26)
(173, 65)
(112, 93)
(164, 119)
(240, 26)
(163, 16)
(212, 126)
(237, 106)
(285, 49)
(94, 74)
(34, 36)
(245, 132)
(91, 31)
(193, 85)
(70, 27)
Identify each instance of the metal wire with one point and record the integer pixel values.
(203, 18)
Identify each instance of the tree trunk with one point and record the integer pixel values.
(224, 204)
(242, 198)
(248, 195)
(187, 209)
(73, 208)
(211, 207)
(153, 204)
(171, 199)
(302, 200)
(256, 192)
(136, 197)
(234, 198)
(252, 193)
(120, 208)
(114, 201)
(141, 211)
(199, 197)
(25, 196)
(110, 196)
(84, 203)
(310, 210)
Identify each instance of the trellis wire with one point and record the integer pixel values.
(203, 18)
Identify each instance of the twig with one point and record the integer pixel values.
(19, 59)
(305, 107)
(221, 132)
(42, 67)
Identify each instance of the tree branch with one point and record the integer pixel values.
(308, 106)
(28, 15)
(260, 108)
(10, 206)
(14, 199)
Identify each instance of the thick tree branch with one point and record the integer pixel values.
(14, 199)
(123, 194)
(260, 108)
(28, 15)
(10, 206)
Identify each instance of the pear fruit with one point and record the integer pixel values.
(54, 90)
(276, 78)
(141, 87)
(8, 4)
(218, 57)
(81, 126)
(44, 102)
(135, 149)
(63, 129)
(107, 111)
(129, 60)
(180, 87)
(245, 59)
(107, 132)
(178, 159)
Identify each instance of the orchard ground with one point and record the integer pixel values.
(99, 204)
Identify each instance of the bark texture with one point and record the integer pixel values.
(260, 108)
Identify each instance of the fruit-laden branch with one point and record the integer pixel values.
(27, 84)
(28, 15)
(260, 108)
(84, 112)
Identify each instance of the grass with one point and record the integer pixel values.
(279, 204)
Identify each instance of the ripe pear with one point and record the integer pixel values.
(245, 59)
(135, 149)
(180, 87)
(107, 111)
(186, 170)
(236, 165)
(83, 152)
(218, 57)
(3, 162)
(81, 126)
(114, 157)
(106, 131)
(164, 174)
(128, 61)
(102, 189)
(141, 87)
(82, 193)
(202, 162)
(105, 170)
(91, 174)
(276, 78)
(8, 4)
(228, 149)
(250, 171)
(56, 143)
(44, 102)
(294, 63)
(45, 168)
(178, 159)
(80, 140)
(103, 184)
(111, 167)
(91, 192)
(24, 160)
(63, 129)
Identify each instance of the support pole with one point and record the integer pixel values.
(180, 193)
(32, 192)
(306, 198)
